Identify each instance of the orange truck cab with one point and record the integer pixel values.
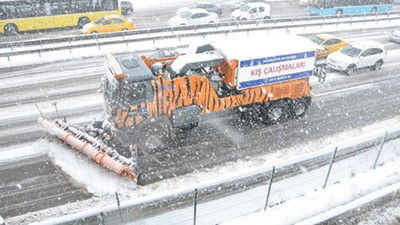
(147, 99)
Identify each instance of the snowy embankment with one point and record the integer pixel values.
(317, 206)
(103, 183)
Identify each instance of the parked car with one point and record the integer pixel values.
(126, 7)
(108, 24)
(193, 17)
(395, 35)
(209, 7)
(239, 3)
(252, 11)
(358, 55)
(162, 54)
(328, 44)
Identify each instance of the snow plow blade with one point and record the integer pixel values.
(78, 141)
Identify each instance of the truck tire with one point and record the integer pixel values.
(153, 137)
(250, 117)
(299, 108)
(276, 112)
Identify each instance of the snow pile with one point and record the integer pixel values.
(100, 181)
(97, 180)
(321, 200)
(103, 183)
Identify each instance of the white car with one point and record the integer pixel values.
(395, 35)
(209, 7)
(252, 11)
(239, 3)
(193, 17)
(358, 55)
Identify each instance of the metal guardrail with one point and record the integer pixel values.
(185, 28)
(142, 209)
(187, 31)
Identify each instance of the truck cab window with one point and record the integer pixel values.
(134, 94)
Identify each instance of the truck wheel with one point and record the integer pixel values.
(250, 117)
(299, 108)
(276, 112)
(153, 137)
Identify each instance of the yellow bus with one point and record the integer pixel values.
(26, 15)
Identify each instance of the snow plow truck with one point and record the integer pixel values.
(147, 100)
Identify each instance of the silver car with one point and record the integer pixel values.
(395, 35)
(239, 3)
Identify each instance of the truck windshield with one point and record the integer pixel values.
(316, 39)
(350, 51)
(134, 94)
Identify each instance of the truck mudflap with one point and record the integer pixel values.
(89, 146)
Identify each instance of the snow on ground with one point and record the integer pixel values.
(330, 201)
(103, 183)
(64, 104)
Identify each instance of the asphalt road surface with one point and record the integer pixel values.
(34, 184)
(157, 16)
(342, 104)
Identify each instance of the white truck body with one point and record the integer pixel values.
(269, 59)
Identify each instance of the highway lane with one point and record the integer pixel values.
(33, 184)
(51, 82)
(152, 18)
(145, 18)
(330, 114)
(374, 98)
(221, 137)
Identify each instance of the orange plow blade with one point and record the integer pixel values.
(81, 144)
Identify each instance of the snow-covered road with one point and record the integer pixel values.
(341, 104)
